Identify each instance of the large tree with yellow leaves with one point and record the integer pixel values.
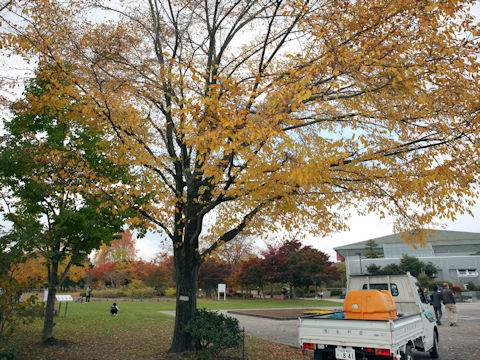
(254, 115)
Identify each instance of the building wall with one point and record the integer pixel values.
(454, 249)
(457, 269)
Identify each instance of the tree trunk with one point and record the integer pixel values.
(1, 328)
(48, 323)
(186, 268)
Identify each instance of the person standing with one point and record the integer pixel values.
(88, 294)
(436, 301)
(448, 298)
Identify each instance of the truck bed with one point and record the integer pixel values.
(327, 330)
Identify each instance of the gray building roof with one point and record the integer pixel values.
(442, 241)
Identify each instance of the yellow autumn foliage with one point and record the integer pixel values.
(371, 105)
(267, 115)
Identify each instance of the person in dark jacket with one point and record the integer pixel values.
(448, 298)
(88, 294)
(114, 309)
(436, 301)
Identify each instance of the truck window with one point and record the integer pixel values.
(422, 295)
(393, 288)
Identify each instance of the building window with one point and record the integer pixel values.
(467, 272)
(398, 250)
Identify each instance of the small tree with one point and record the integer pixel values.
(371, 252)
(57, 180)
(430, 270)
(392, 269)
(412, 265)
(374, 269)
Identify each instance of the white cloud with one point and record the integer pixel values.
(149, 246)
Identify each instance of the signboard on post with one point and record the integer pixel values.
(222, 288)
(63, 299)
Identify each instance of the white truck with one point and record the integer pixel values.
(332, 336)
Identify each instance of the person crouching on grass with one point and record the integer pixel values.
(114, 309)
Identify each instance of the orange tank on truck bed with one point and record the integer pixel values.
(369, 305)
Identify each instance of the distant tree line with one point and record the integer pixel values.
(289, 264)
(115, 270)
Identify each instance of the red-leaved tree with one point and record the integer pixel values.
(213, 273)
(251, 273)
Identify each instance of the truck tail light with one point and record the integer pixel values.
(382, 352)
(309, 346)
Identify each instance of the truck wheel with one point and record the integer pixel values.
(408, 354)
(318, 354)
(434, 351)
(323, 355)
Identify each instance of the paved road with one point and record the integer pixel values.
(456, 343)
(462, 342)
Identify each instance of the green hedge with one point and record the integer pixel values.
(135, 290)
(143, 293)
(336, 292)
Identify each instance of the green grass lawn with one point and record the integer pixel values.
(139, 332)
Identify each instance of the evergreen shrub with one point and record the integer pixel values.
(214, 331)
